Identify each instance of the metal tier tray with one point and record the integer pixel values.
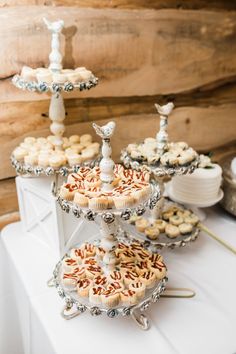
(163, 240)
(158, 169)
(23, 169)
(75, 305)
(42, 87)
(109, 214)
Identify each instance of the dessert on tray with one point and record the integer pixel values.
(44, 152)
(129, 188)
(175, 154)
(158, 155)
(112, 273)
(48, 155)
(136, 271)
(174, 221)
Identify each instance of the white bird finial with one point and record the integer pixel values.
(106, 131)
(166, 109)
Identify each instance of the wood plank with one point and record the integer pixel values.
(8, 198)
(172, 50)
(8, 219)
(204, 128)
(130, 4)
(23, 117)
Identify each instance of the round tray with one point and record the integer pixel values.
(74, 305)
(163, 240)
(43, 87)
(158, 170)
(22, 169)
(108, 214)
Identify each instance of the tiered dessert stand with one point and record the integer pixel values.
(40, 214)
(57, 108)
(111, 233)
(159, 172)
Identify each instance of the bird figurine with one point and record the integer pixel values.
(55, 26)
(106, 131)
(166, 109)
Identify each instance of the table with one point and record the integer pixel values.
(30, 321)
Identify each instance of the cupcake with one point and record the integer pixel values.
(148, 278)
(128, 297)
(81, 199)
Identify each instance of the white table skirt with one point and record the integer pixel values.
(30, 321)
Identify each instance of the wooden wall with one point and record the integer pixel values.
(143, 51)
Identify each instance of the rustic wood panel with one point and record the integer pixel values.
(8, 198)
(133, 52)
(9, 218)
(19, 118)
(130, 4)
(201, 127)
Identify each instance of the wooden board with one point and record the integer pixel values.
(130, 4)
(204, 128)
(8, 198)
(133, 52)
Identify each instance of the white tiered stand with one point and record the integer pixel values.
(40, 215)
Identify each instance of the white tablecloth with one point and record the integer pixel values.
(30, 321)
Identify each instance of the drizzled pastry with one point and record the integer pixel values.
(84, 188)
(124, 285)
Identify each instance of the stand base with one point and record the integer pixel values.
(42, 217)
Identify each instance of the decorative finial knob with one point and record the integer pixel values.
(162, 135)
(107, 164)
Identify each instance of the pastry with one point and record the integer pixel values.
(191, 219)
(152, 232)
(89, 248)
(176, 220)
(31, 159)
(83, 287)
(95, 293)
(143, 266)
(142, 255)
(69, 264)
(110, 297)
(74, 159)
(139, 288)
(172, 231)
(93, 271)
(159, 269)
(141, 224)
(148, 278)
(19, 153)
(28, 74)
(115, 275)
(130, 277)
(59, 78)
(77, 254)
(128, 297)
(124, 266)
(67, 191)
(81, 199)
(167, 214)
(160, 224)
(100, 280)
(85, 138)
(69, 280)
(185, 228)
(98, 203)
